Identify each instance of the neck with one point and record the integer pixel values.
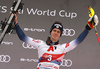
(51, 42)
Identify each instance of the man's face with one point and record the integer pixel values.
(55, 34)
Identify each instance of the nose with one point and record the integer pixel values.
(56, 32)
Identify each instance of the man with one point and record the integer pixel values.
(51, 53)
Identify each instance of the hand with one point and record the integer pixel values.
(93, 21)
(96, 20)
(15, 20)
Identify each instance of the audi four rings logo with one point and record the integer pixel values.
(5, 58)
(68, 32)
(27, 46)
(66, 62)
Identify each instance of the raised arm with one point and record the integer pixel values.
(82, 36)
(24, 37)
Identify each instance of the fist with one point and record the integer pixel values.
(93, 21)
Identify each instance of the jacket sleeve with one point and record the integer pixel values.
(26, 38)
(70, 46)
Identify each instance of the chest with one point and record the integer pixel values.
(55, 49)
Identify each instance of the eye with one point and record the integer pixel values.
(58, 31)
(54, 30)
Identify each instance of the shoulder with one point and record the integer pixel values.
(38, 41)
(64, 45)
